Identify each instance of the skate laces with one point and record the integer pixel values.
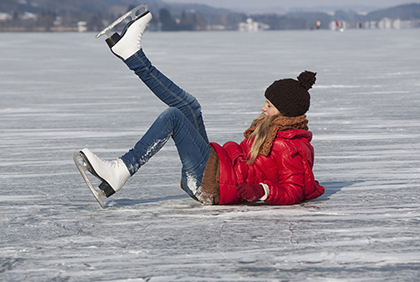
(139, 37)
(139, 40)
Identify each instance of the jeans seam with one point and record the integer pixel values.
(175, 119)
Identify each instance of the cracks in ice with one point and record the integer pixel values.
(9, 263)
(292, 234)
(220, 241)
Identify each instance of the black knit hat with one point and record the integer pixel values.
(290, 96)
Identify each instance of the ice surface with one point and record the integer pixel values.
(63, 92)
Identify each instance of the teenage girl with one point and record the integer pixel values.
(272, 164)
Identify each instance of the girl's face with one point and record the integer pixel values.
(268, 109)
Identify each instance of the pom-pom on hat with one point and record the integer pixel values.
(290, 96)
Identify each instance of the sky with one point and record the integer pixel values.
(266, 5)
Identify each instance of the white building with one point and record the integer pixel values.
(5, 17)
(387, 23)
(81, 26)
(251, 26)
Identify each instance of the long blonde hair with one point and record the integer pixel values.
(262, 123)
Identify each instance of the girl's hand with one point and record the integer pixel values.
(250, 192)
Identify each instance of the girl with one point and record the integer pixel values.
(273, 164)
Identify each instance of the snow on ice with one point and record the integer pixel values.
(63, 92)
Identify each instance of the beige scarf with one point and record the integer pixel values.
(278, 124)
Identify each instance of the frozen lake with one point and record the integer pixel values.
(60, 93)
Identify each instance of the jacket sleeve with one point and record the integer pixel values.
(289, 189)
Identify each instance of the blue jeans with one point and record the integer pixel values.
(182, 121)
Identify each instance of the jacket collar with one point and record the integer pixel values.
(295, 133)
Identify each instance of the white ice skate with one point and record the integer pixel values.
(129, 42)
(113, 174)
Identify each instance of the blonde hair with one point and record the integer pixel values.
(262, 123)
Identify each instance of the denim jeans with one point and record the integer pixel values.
(182, 121)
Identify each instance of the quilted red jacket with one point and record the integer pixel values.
(287, 170)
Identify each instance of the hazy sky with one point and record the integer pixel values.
(287, 4)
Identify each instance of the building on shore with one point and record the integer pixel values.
(251, 26)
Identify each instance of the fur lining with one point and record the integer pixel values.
(279, 124)
(210, 193)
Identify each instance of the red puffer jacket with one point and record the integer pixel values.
(287, 170)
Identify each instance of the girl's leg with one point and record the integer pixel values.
(193, 150)
(168, 91)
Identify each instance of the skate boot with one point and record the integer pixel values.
(129, 42)
(113, 174)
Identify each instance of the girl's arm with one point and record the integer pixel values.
(289, 189)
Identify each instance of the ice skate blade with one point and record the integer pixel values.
(133, 14)
(83, 167)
